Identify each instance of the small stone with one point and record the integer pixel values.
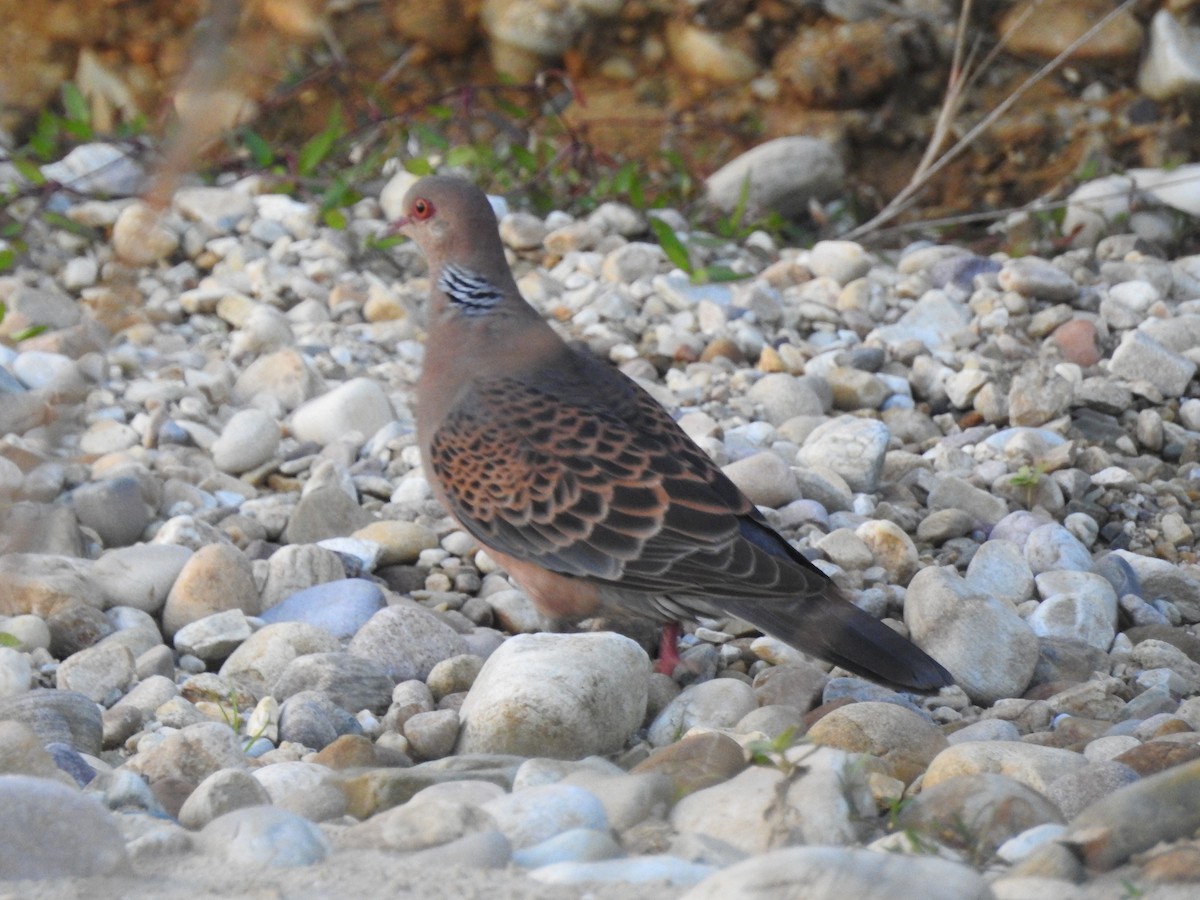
(339, 607)
(1032, 765)
(535, 814)
(783, 174)
(952, 492)
(53, 831)
(1075, 791)
(1162, 807)
(402, 542)
(556, 695)
(295, 567)
(764, 478)
(997, 807)
(903, 739)
(264, 656)
(213, 637)
(140, 576)
(101, 672)
(783, 397)
(223, 791)
(304, 788)
(1076, 341)
(855, 389)
(191, 754)
(248, 440)
(454, 675)
(432, 735)
(1035, 277)
(854, 448)
(632, 261)
(844, 872)
(988, 648)
(406, 640)
(57, 716)
(140, 238)
(719, 703)
(215, 578)
(15, 672)
(890, 548)
(762, 808)
(1171, 66)
(313, 720)
(710, 55)
(843, 261)
(350, 681)
(220, 208)
(1141, 358)
(357, 405)
(257, 836)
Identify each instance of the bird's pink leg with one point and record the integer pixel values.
(668, 656)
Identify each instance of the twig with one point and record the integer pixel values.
(1036, 206)
(921, 178)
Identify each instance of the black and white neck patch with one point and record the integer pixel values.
(469, 291)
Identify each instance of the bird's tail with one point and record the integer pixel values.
(834, 629)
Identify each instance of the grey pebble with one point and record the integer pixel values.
(50, 830)
(263, 836)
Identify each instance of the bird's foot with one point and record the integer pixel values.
(668, 656)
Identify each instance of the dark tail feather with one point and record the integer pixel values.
(834, 629)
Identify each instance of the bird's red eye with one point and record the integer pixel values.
(422, 209)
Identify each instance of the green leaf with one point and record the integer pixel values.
(58, 220)
(7, 258)
(525, 158)
(628, 181)
(314, 151)
(427, 135)
(29, 170)
(26, 333)
(78, 121)
(440, 111)
(386, 242)
(335, 218)
(44, 140)
(510, 109)
(3, 310)
(335, 195)
(672, 246)
(9, 640)
(75, 105)
(134, 127)
(418, 165)
(464, 156)
(739, 210)
(715, 274)
(260, 151)
(318, 147)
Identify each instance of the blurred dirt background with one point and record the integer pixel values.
(678, 86)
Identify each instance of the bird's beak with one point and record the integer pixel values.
(398, 226)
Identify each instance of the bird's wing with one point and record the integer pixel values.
(572, 466)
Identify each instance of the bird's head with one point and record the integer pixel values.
(450, 220)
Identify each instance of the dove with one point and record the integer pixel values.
(582, 487)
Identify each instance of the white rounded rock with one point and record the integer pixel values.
(248, 440)
(358, 405)
(15, 671)
(564, 696)
(719, 703)
(988, 648)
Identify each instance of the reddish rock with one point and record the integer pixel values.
(1157, 756)
(1076, 341)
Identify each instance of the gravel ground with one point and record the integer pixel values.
(249, 655)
